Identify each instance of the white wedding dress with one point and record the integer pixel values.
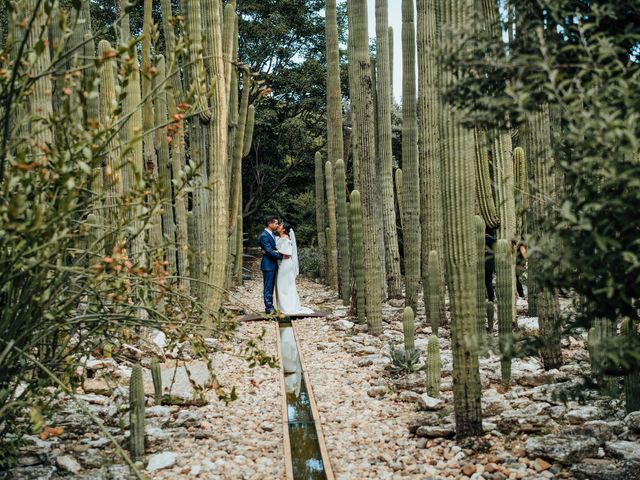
(287, 299)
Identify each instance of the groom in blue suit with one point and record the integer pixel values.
(270, 257)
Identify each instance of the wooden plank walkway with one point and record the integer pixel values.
(286, 318)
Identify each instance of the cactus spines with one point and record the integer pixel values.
(458, 181)
(343, 231)
(434, 367)
(335, 142)
(357, 253)
(481, 290)
(364, 158)
(434, 291)
(385, 173)
(484, 193)
(631, 379)
(156, 376)
(521, 188)
(411, 178)
(408, 329)
(391, 52)
(429, 151)
(136, 413)
(228, 40)
(332, 246)
(320, 216)
(504, 294)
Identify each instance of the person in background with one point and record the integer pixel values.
(521, 265)
(489, 262)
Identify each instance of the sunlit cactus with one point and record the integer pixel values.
(357, 253)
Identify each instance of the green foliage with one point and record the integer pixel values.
(309, 259)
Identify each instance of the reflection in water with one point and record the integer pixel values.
(305, 450)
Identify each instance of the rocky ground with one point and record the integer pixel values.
(376, 424)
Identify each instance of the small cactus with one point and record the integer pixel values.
(357, 253)
(136, 413)
(433, 279)
(504, 294)
(408, 328)
(157, 381)
(434, 366)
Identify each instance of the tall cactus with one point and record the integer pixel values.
(458, 181)
(429, 151)
(335, 145)
(411, 179)
(217, 158)
(343, 231)
(399, 184)
(484, 192)
(408, 329)
(391, 52)
(365, 158)
(248, 132)
(320, 216)
(385, 173)
(504, 294)
(164, 167)
(521, 188)
(332, 246)
(632, 379)
(504, 179)
(481, 289)
(434, 367)
(112, 183)
(136, 413)
(434, 291)
(357, 253)
(542, 301)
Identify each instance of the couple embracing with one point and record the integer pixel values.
(280, 268)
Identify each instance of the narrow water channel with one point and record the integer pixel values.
(305, 449)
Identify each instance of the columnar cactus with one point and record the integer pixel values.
(239, 251)
(385, 173)
(156, 376)
(112, 183)
(504, 295)
(481, 289)
(484, 192)
(391, 52)
(408, 329)
(411, 179)
(434, 367)
(357, 253)
(430, 155)
(600, 334)
(335, 144)
(542, 301)
(458, 181)
(229, 35)
(164, 168)
(364, 157)
(320, 216)
(351, 70)
(490, 316)
(631, 379)
(399, 182)
(504, 181)
(136, 413)
(248, 132)
(343, 231)
(521, 192)
(434, 291)
(332, 246)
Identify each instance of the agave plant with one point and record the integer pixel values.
(405, 361)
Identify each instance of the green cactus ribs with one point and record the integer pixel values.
(136, 413)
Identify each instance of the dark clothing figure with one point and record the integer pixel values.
(269, 267)
(489, 265)
(521, 266)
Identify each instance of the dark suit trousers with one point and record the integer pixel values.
(269, 281)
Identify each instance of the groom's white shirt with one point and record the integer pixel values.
(270, 233)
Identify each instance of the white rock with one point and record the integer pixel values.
(158, 338)
(528, 324)
(425, 402)
(68, 464)
(161, 460)
(343, 325)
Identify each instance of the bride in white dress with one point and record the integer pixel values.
(287, 299)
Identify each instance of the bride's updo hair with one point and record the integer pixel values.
(287, 227)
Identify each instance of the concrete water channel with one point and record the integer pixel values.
(305, 451)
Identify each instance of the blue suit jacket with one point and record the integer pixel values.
(271, 256)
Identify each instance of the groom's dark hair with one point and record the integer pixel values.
(269, 219)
